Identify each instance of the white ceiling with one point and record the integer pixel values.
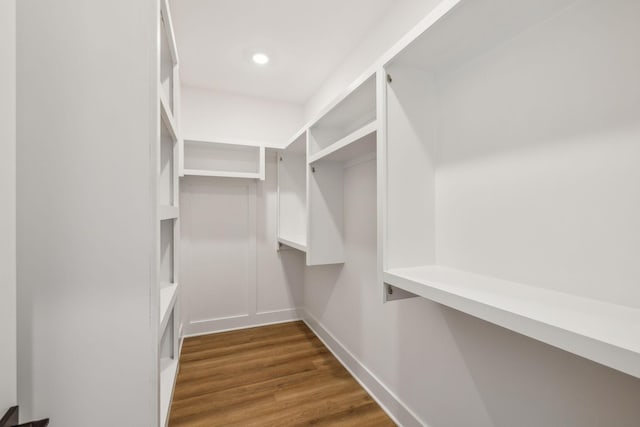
(305, 39)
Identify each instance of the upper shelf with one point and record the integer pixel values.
(217, 159)
(357, 144)
(603, 332)
(296, 242)
(355, 110)
(168, 212)
(168, 293)
(167, 117)
(167, 25)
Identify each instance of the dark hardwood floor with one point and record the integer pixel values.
(279, 375)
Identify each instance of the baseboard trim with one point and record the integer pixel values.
(225, 324)
(389, 402)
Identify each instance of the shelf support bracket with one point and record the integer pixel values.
(393, 294)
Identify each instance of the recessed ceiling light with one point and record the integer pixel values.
(260, 58)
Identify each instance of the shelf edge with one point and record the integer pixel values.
(607, 354)
(353, 137)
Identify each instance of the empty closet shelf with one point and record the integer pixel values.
(604, 332)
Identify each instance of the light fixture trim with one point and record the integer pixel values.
(260, 58)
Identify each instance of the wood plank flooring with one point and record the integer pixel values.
(278, 375)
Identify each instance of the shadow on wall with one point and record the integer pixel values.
(328, 275)
(525, 383)
(292, 262)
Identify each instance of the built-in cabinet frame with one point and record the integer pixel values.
(412, 84)
(170, 148)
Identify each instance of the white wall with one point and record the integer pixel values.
(86, 126)
(448, 368)
(208, 114)
(231, 274)
(400, 18)
(407, 345)
(8, 205)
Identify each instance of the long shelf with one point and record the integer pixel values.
(354, 145)
(295, 242)
(168, 372)
(168, 293)
(603, 332)
(222, 174)
(167, 117)
(168, 212)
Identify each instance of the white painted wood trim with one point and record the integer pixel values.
(262, 164)
(167, 116)
(354, 136)
(168, 375)
(168, 295)
(389, 401)
(593, 329)
(231, 323)
(381, 174)
(168, 212)
(168, 25)
(221, 174)
(252, 255)
(438, 12)
(292, 242)
(231, 141)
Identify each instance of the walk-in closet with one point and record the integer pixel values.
(336, 213)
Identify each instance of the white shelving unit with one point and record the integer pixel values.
(168, 214)
(507, 191)
(353, 146)
(292, 194)
(353, 112)
(223, 159)
(346, 133)
(604, 332)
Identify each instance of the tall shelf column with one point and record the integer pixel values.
(168, 213)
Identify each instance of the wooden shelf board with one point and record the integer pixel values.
(168, 292)
(354, 145)
(600, 331)
(222, 174)
(167, 117)
(296, 242)
(168, 212)
(168, 374)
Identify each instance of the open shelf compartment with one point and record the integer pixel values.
(168, 366)
(168, 295)
(344, 136)
(355, 110)
(604, 332)
(500, 164)
(292, 194)
(217, 159)
(357, 144)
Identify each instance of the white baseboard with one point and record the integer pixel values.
(212, 326)
(398, 412)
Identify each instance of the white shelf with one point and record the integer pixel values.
(295, 242)
(168, 212)
(603, 332)
(168, 373)
(222, 174)
(167, 117)
(222, 159)
(168, 27)
(351, 111)
(357, 144)
(168, 293)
